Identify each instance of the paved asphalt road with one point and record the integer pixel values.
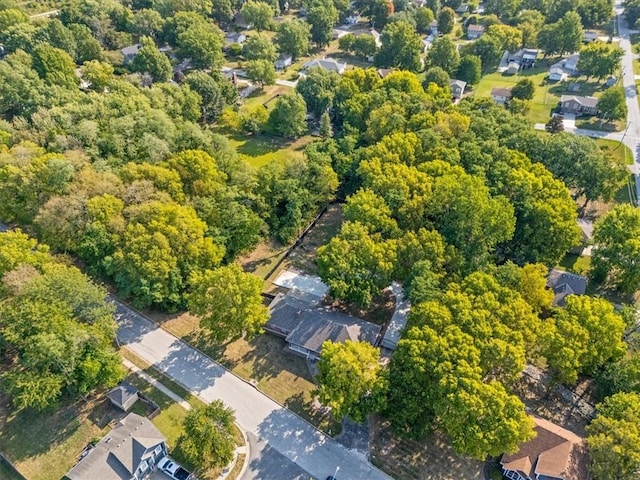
(280, 434)
(632, 137)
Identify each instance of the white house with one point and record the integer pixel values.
(557, 74)
(457, 88)
(475, 31)
(326, 63)
(231, 38)
(589, 37)
(501, 95)
(352, 19)
(283, 61)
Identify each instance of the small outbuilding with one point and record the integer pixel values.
(457, 88)
(283, 61)
(123, 396)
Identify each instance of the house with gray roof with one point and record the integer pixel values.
(564, 284)
(326, 63)
(457, 88)
(130, 52)
(306, 326)
(578, 105)
(123, 396)
(129, 452)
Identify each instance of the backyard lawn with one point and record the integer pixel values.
(259, 150)
(616, 150)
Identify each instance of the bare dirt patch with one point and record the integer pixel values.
(430, 459)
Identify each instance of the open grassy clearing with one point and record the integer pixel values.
(616, 150)
(260, 150)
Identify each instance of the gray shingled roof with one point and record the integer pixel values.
(120, 452)
(310, 326)
(122, 393)
(564, 284)
(584, 101)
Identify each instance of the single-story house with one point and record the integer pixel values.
(475, 31)
(578, 105)
(283, 61)
(457, 88)
(557, 74)
(339, 33)
(554, 454)
(571, 64)
(123, 396)
(588, 37)
(501, 95)
(130, 52)
(352, 19)
(383, 72)
(129, 452)
(463, 8)
(235, 37)
(326, 63)
(306, 326)
(564, 284)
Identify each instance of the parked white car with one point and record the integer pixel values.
(171, 468)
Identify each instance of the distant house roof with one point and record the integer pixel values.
(119, 454)
(501, 92)
(131, 50)
(458, 83)
(235, 37)
(122, 395)
(475, 28)
(309, 326)
(555, 453)
(556, 71)
(376, 36)
(589, 102)
(587, 229)
(327, 64)
(564, 284)
(383, 72)
(591, 36)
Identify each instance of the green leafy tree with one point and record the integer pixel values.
(616, 235)
(530, 22)
(289, 116)
(487, 48)
(262, 72)
(198, 171)
(292, 37)
(147, 22)
(61, 329)
(351, 380)
(87, 46)
(215, 91)
(322, 16)
(595, 12)
(438, 76)
(583, 337)
(152, 61)
(424, 17)
(371, 210)
(98, 74)
(356, 266)
(18, 248)
(12, 16)
(208, 439)
(613, 104)
(599, 59)
(54, 66)
(509, 38)
(444, 54)
(259, 47)
(325, 128)
(524, 89)
(228, 302)
(555, 124)
(563, 36)
(469, 69)
(401, 47)
(446, 20)
(203, 45)
(614, 438)
(318, 89)
(223, 12)
(259, 14)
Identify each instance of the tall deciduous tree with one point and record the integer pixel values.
(583, 337)
(614, 438)
(444, 54)
(617, 236)
(55, 66)
(322, 16)
(202, 43)
(261, 72)
(470, 69)
(613, 104)
(524, 89)
(259, 47)
(292, 37)
(351, 379)
(259, 14)
(208, 439)
(446, 20)
(150, 60)
(228, 301)
(401, 47)
(289, 116)
(599, 59)
(355, 265)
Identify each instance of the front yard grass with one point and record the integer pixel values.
(616, 150)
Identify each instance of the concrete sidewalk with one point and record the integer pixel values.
(276, 427)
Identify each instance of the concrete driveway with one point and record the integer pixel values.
(279, 430)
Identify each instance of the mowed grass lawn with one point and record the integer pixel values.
(260, 150)
(616, 150)
(543, 100)
(45, 445)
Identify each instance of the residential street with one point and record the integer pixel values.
(300, 446)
